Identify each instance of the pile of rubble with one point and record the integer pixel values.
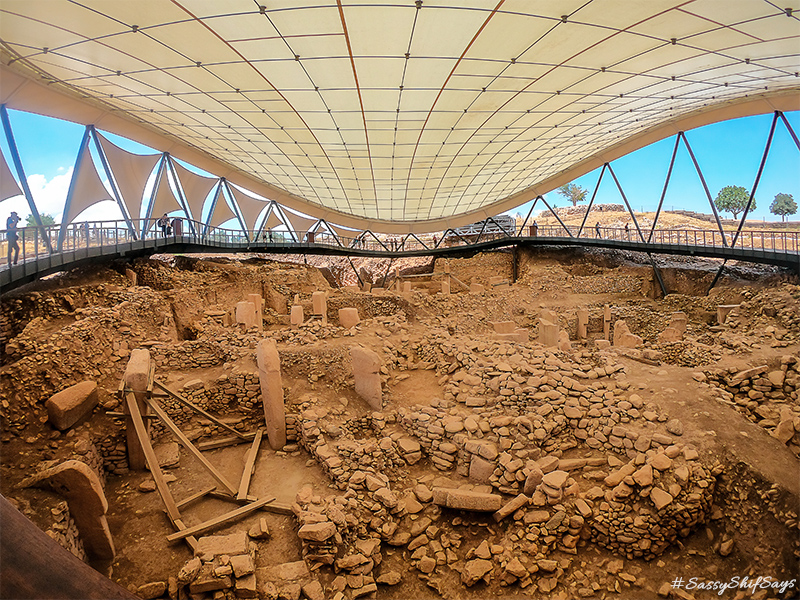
(766, 396)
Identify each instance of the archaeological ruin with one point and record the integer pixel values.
(399, 300)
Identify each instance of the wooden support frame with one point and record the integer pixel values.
(155, 470)
(249, 465)
(199, 410)
(186, 443)
(196, 496)
(225, 442)
(216, 521)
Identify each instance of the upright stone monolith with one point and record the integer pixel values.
(583, 323)
(246, 314)
(81, 487)
(319, 306)
(297, 317)
(269, 374)
(548, 333)
(136, 379)
(607, 322)
(258, 303)
(367, 375)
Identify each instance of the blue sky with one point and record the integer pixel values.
(728, 153)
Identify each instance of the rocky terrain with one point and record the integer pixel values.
(562, 433)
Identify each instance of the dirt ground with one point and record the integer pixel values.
(85, 327)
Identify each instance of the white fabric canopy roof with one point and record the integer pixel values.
(376, 113)
(9, 187)
(87, 188)
(195, 188)
(222, 212)
(165, 201)
(131, 172)
(249, 207)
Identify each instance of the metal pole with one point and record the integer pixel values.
(110, 176)
(558, 218)
(627, 204)
(151, 204)
(758, 178)
(791, 131)
(71, 192)
(664, 191)
(705, 187)
(236, 208)
(480, 233)
(181, 198)
(525, 222)
(23, 181)
(591, 201)
(213, 205)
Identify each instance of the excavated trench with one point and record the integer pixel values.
(607, 472)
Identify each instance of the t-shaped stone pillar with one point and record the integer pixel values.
(548, 333)
(583, 323)
(319, 305)
(269, 374)
(246, 313)
(258, 303)
(81, 488)
(136, 378)
(367, 375)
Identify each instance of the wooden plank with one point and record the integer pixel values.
(225, 442)
(273, 507)
(212, 523)
(459, 282)
(123, 415)
(249, 465)
(151, 377)
(186, 443)
(155, 470)
(197, 409)
(197, 496)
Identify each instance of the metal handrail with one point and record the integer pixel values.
(81, 238)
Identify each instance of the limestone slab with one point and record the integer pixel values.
(269, 374)
(70, 405)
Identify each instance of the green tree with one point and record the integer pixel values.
(46, 220)
(783, 205)
(733, 199)
(573, 193)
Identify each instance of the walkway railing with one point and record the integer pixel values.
(104, 238)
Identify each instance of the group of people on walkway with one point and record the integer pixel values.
(170, 226)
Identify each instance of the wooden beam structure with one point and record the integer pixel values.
(198, 410)
(186, 443)
(249, 466)
(155, 470)
(222, 519)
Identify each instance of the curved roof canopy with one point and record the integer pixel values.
(412, 114)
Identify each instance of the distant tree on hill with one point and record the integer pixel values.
(30, 221)
(573, 193)
(783, 205)
(733, 199)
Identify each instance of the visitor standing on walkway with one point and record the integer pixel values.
(163, 222)
(11, 236)
(627, 231)
(597, 229)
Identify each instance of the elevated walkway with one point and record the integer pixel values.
(108, 241)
